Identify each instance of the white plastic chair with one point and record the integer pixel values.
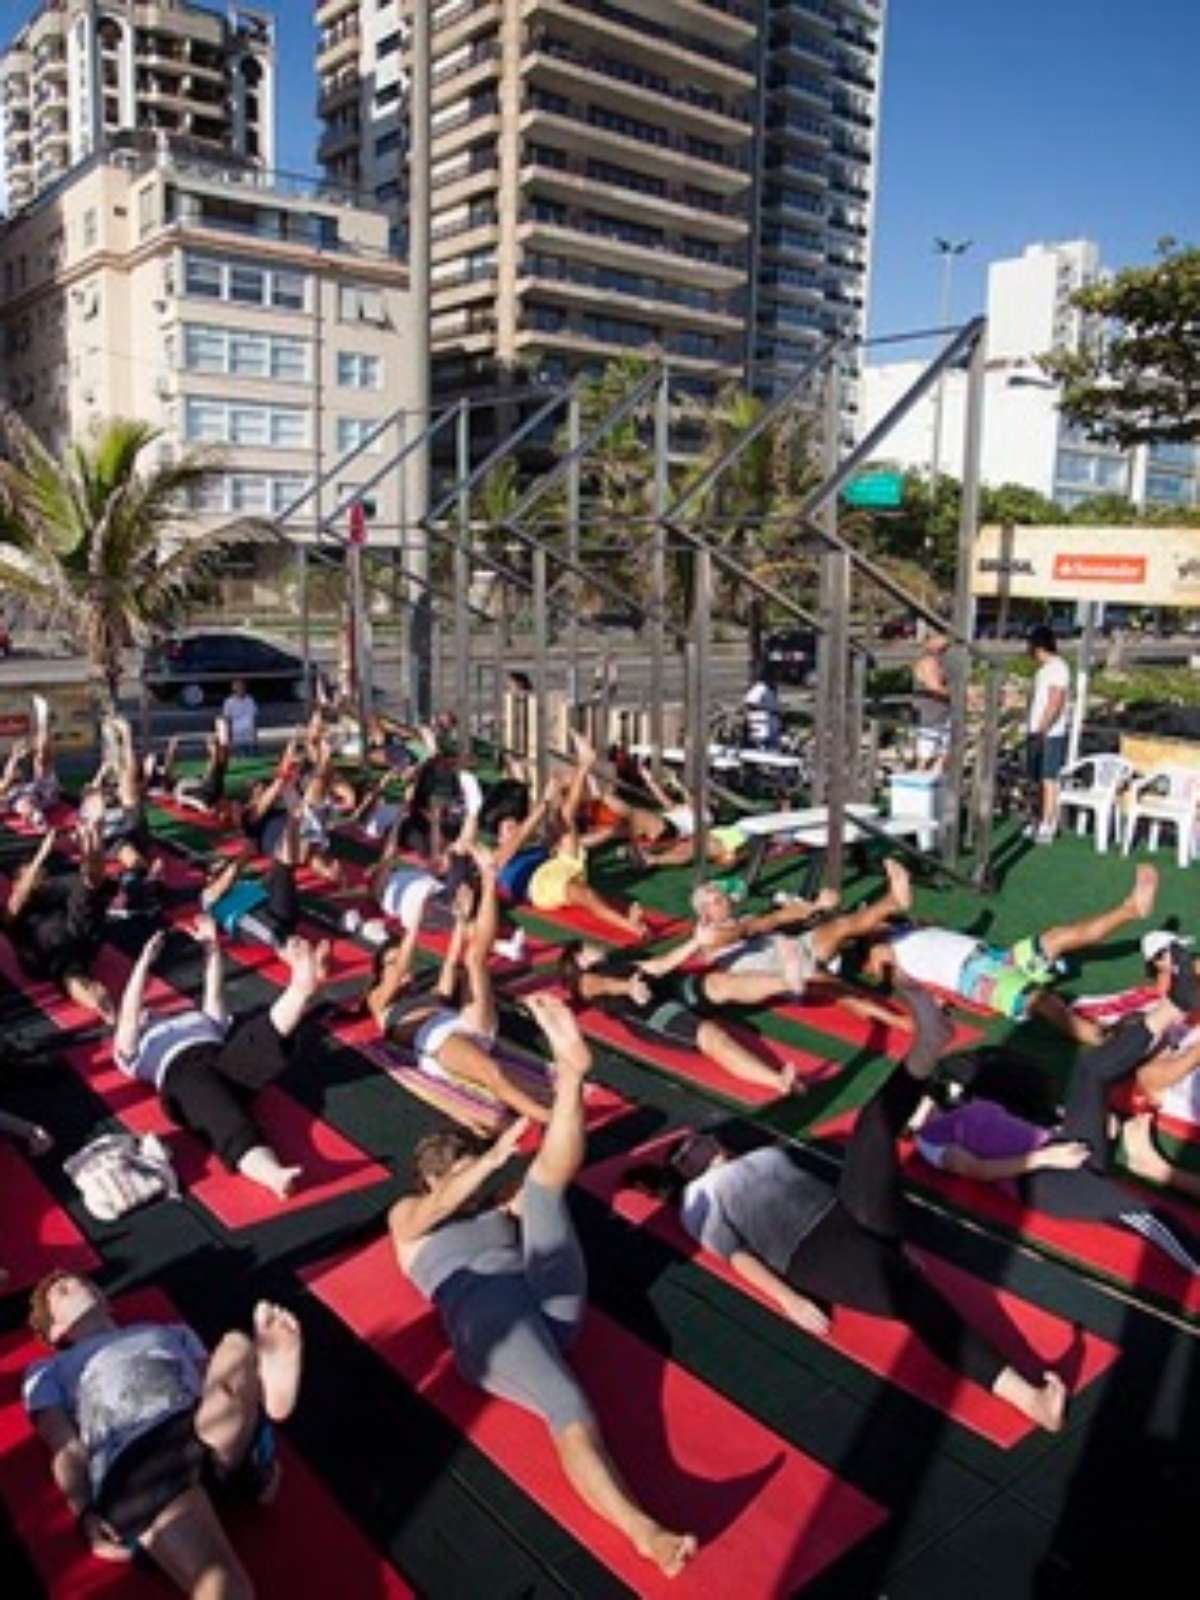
(1168, 795)
(1091, 785)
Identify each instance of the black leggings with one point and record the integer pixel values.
(854, 1256)
(1087, 1193)
(277, 918)
(209, 1090)
(60, 930)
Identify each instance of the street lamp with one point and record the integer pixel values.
(948, 249)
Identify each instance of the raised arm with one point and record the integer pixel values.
(797, 1308)
(26, 881)
(659, 966)
(207, 935)
(416, 1215)
(125, 1039)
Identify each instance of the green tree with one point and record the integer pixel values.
(103, 545)
(1015, 503)
(1105, 510)
(1140, 382)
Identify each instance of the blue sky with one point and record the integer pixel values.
(1004, 121)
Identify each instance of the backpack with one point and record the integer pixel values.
(118, 1172)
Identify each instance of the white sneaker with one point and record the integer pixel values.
(512, 949)
(1045, 836)
(375, 931)
(352, 921)
(1031, 830)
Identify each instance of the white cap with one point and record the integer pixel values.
(1154, 944)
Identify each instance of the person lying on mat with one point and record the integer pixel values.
(264, 910)
(205, 1066)
(1065, 1173)
(1013, 981)
(542, 861)
(403, 881)
(510, 1283)
(205, 793)
(150, 1435)
(664, 837)
(263, 817)
(115, 804)
(55, 924)
(675, 1009)
(756, 959)
(811, 1247)
(29, 786)
(451, 1037)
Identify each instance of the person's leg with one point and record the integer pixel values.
(580, 893)
(1095, 1071)
(200, 1098)
(464, 1058)
(593, 1475)
(1137, 904)
(247, 1378)
(870, 1186)
(282, 910)
(1145, 1160)
(829, 937)
(732, 1056)
(565, 1139)
(479, 1013)
(309, 967)
(187, 1542)
(91, 994)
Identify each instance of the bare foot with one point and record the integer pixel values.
(285, 1182)
(788, 1081)
(1050, 1403)
(308, 963)
(900, 883)
(637, 917)
(278, 1343)
(557, 1021)
(670, 1552)
(1142, 1155)
(1145, 889)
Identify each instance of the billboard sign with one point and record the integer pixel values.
(1139, 566)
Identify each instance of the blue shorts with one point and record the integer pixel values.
(1047, 756)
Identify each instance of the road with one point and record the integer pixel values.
(629, 657)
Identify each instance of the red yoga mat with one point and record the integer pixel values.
(302, 1544)
(1033, 1340)
(768, 1517)
(820, 1010)
(1114, 1252)
(333, 1165)
(36, 1234)
(572, 922)
(694, 1068)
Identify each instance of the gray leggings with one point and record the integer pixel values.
(509, 1330)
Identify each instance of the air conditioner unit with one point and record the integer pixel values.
(161, 306)
(162, 388)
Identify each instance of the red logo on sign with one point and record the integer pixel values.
(1100, 569)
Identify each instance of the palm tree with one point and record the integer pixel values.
(104, 547)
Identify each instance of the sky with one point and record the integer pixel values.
(1003, 122)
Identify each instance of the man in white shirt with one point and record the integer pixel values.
(241, 712)
(1047, 735)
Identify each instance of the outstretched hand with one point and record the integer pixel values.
(506, 1145)
(152, 948)
(205, 931)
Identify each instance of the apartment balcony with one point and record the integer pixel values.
(650, 202)
(477, 173)
(655, 149)
(624, 293)
(345, 91)
(814, 11)
(327, 12)
(572, 337)
(692, 51)
(338, 141)
(563, 67)
(480, 119)
(791, 283)
(592, 239)
(793, 243)
(802, 50)
(339, 51)
(464, 239)
(456, 65)
(461, 20)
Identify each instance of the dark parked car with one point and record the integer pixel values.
(791, 654)
(201, 667)
(898, 627)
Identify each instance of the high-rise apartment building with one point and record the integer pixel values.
(260, 321)
(684, 177)
(1026, 440)
(81, 72)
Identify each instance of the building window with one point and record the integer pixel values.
(351, 431)
(357, 303)
(240, 353)
(388, 94)
(356, 370)
(350, 491)
(389, 142)
(244, 284)
(91, 228)
(221, 493)
(222, 422)
(388, 45)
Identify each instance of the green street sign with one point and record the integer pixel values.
(875, 490)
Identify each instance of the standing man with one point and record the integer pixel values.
(241, 712)
(763, 711)
(1047, 737)
(931, 702)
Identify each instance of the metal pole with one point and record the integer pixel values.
(838, 594)
(418, 353)
(574, 430)
(539, 665)
(400, 587)
(305, 630)
(499, 680)
(948, 249)
(658, 569)
(985, 778)
(1083, 674)
(960, 665)
(861, 783)
(698, 688)
(462, 585)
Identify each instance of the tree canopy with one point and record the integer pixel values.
(1138, 381)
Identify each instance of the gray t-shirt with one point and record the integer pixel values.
(760, 1202)
(117, 1386)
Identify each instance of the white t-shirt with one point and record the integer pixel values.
(162, 1041)
(241, 711)
(763, 716)
(934, 955)
(1052, 674)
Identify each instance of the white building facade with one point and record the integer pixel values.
(1025, 438)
